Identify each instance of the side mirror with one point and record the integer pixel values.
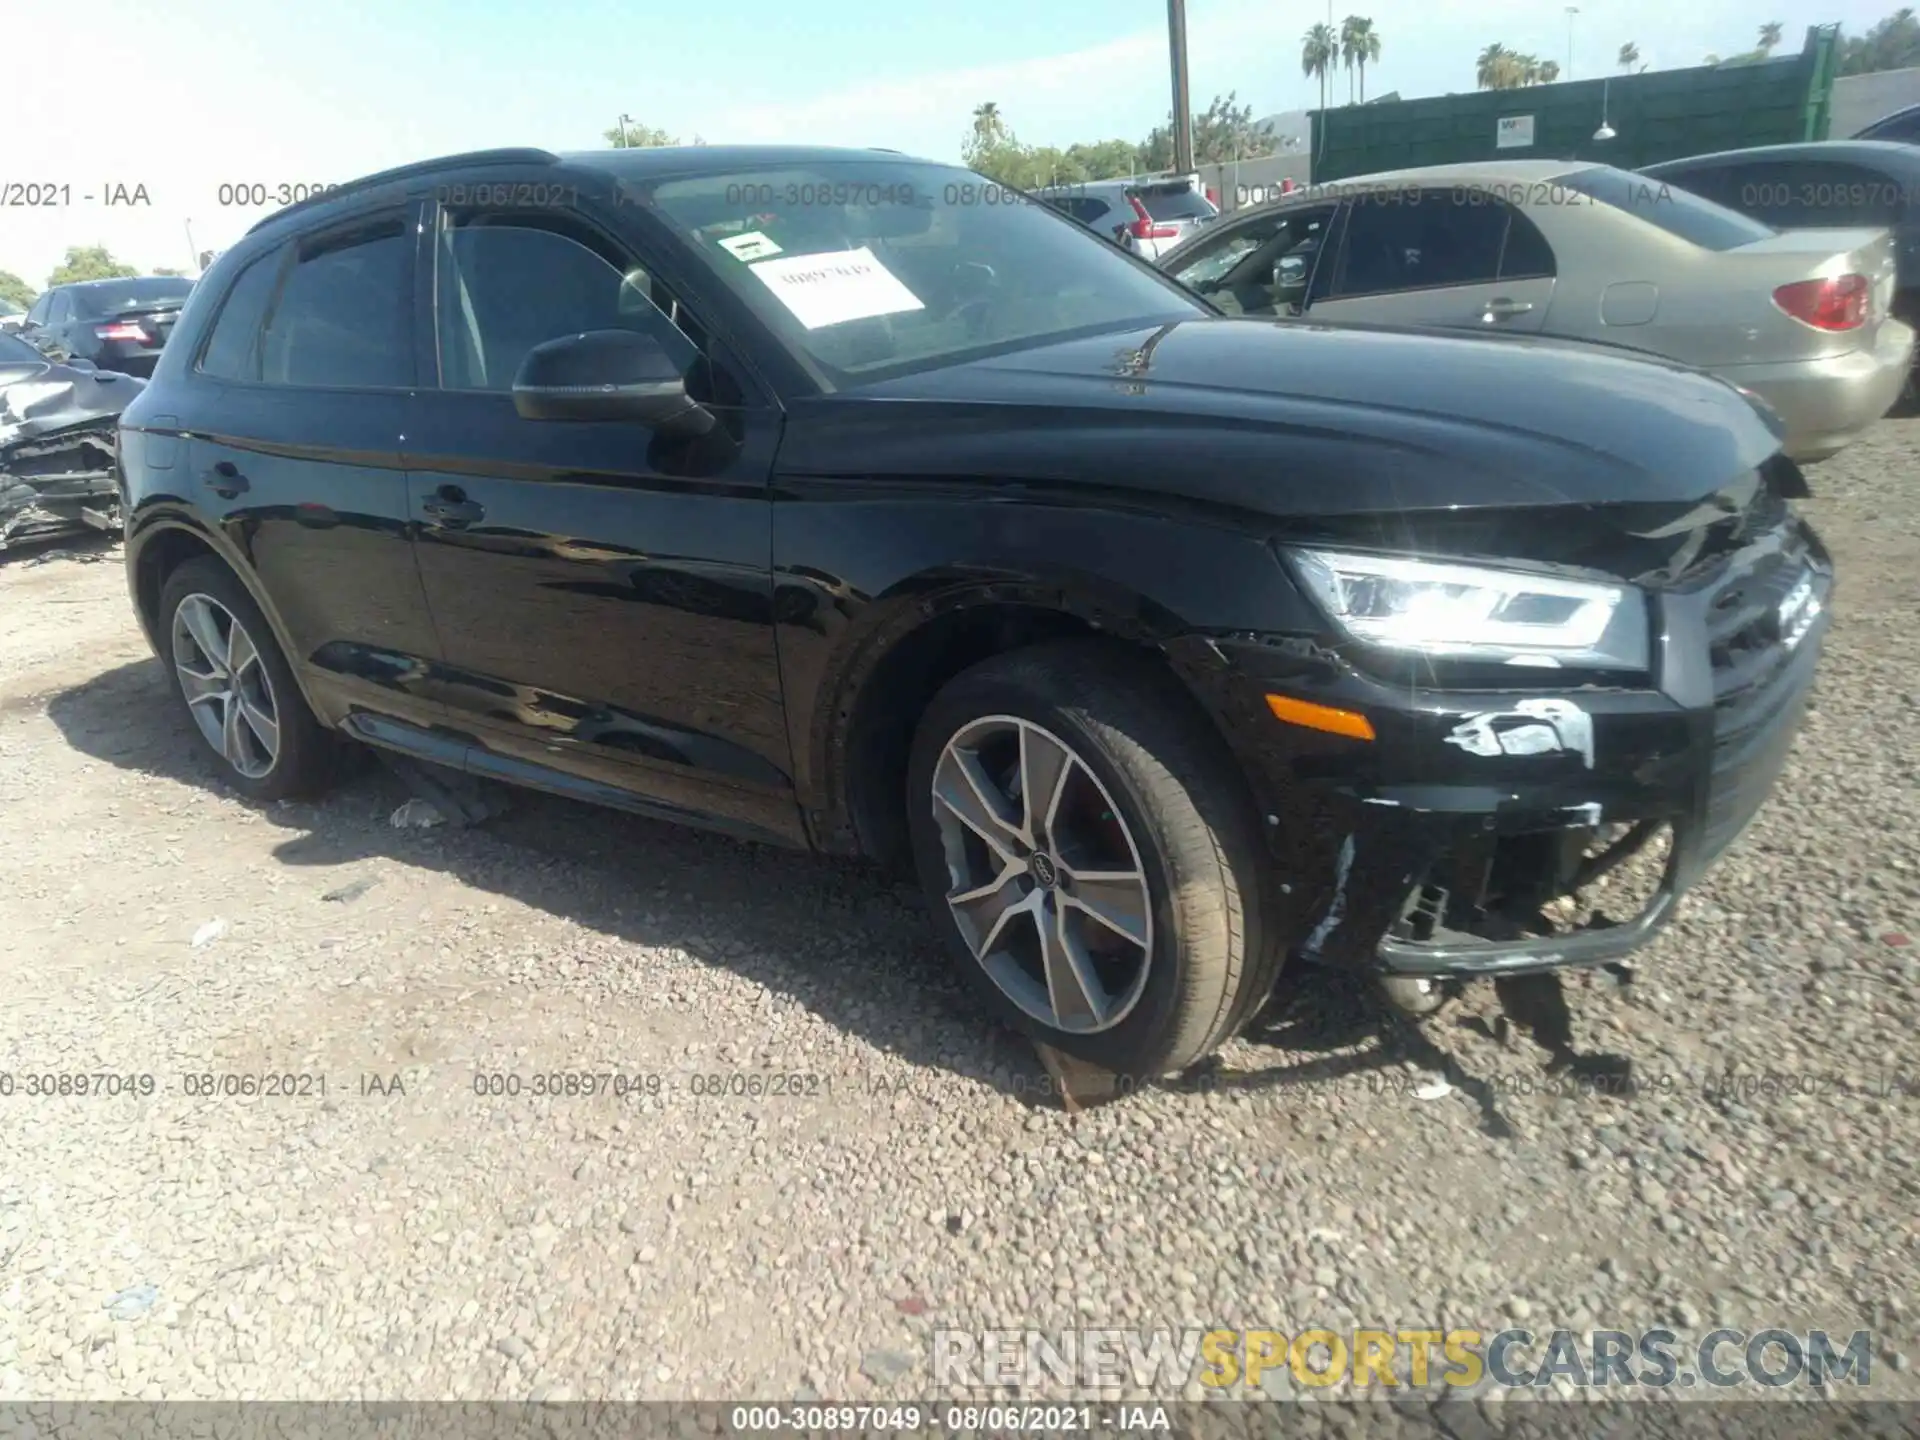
(608, 375)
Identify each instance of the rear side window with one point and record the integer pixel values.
(1528, 256)
(1667, 206)
(1904, 126)
(1174, 202)
(344, 315)
(1805, 194)
(1393, 245)
(231, 352)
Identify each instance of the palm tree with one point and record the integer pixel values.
(1549, 71)
(1319, 48)
(1526, 70)
(987, 124)
(1769, 37)
(1491, 67)
(1359, 44)
(1629, 56)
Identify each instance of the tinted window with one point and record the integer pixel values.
(1669, 206)
(1174, 202)
(37, 312)
(231, 352)
(111, 299)
(343, 316)
(506, 285)
(15, 351)
(1527, 256)
(1393, 244)
(923, 265)
(61, 310)
(1804, 194)
(1904, 126)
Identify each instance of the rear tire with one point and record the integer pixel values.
(1137, 814)
(236, 688)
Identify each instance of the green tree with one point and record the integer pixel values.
(13, 288)
(1629, 56)
(988, 125)
(1104, 159)
(1769, 37)
(1223, 132)
(640, 137)
(88, 262)
(1549, 71)
(1319, 49)
(1892, 44)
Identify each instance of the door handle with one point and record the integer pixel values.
(225, 480)
(1501, 308)
(449, 506)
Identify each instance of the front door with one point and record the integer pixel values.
(603, 592)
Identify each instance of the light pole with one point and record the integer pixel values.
(626, 122)
(192, 249)
(1572, 10)
(1182, 110)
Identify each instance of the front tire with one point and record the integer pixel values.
(1090, 856)
(236, 687)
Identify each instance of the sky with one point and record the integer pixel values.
(183, 97)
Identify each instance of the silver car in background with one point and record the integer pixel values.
(1145, 216)
(1566, 248)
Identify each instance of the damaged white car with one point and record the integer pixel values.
(57, 423)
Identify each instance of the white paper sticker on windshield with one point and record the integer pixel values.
(750, 246)
(835, 287)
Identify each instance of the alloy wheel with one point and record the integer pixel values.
(227, 688)
(1046, 883)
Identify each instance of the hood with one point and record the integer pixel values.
(44, 398)
(1461, 443)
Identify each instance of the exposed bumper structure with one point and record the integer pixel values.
(57, 450)
(1467, 837)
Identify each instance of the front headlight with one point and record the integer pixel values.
(1468, 612)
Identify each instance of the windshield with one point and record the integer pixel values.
(131, 294)
(1676, 211)
(877, 268)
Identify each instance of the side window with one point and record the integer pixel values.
(1528, 256)
(1801, 194)
(1215, 261)
(61, 310)
(231, 352)
(37, 314)
(504, 284)
(1394, 244)
(343, 318)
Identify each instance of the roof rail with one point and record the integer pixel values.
(511, 155)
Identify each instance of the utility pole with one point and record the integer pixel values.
(626, 127)
(192, 250)
(1182, 106)
(1572, 10)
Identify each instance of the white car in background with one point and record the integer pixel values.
(1567, 248)
(1145, 216)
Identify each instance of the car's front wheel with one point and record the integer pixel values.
(237, 688)
(1090, 855)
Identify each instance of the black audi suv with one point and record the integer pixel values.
(853, 502)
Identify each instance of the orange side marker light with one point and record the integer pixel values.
(1350, 723)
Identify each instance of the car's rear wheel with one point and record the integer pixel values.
(1090, 856)
(236, 687)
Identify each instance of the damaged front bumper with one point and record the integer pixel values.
(57, 451)
(1507, 832)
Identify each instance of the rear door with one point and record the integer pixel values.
(296, 406)
(604, 590)
(1456, 257)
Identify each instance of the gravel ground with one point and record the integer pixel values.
(401, 1236)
